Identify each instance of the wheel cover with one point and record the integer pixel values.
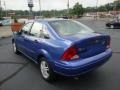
(44, 69)
(14, 47)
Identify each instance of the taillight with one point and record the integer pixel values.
(70, 54)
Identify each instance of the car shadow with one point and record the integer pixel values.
(88, 79)
(83, 82)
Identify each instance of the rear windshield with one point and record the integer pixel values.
(69, 27)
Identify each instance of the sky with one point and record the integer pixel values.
(50, 4)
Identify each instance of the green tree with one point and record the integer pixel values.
(117, 4)
(78, 9)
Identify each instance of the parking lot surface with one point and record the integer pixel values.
(5, 31)
(19, 73)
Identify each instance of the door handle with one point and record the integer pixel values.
(36, 41)
(24, 37)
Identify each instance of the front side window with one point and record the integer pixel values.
(36, 29)
(68, 27)
(27, 28)
(39, 30)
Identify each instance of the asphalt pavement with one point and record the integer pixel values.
(5, 31)
(19, 73)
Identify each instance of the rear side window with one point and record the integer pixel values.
(45, 30)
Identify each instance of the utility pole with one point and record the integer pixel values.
(68, 4)
(30, 5)
(115, 9)
(96, 9)
(40, 13)
(5, 8)
(0, 9)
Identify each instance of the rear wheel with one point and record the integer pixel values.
(46, 71)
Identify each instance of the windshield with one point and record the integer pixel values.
(69, 27)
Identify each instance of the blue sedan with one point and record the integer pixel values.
(65, 47)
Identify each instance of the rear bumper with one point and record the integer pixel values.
(78, 67)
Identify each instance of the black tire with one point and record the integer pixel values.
(50, 75)
(15, 50)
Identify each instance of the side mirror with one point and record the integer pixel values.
(46, 36)
(19, 33)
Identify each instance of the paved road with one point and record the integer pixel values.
(18, 73)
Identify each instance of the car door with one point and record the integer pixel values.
(36, 39)
(21, 37)
(33, 42)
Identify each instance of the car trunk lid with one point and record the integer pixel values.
(89, 45)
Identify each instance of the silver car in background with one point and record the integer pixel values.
(5, 22)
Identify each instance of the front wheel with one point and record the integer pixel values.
(46, 71)
(15, 48)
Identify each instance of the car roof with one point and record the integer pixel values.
(46, 20)
(51, 19)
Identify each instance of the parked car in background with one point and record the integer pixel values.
(64, 17)
(65, 47)
(1, 19)
(1, 23)
(115, 24)
(5, 22)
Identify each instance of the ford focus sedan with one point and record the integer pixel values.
(65, 47)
